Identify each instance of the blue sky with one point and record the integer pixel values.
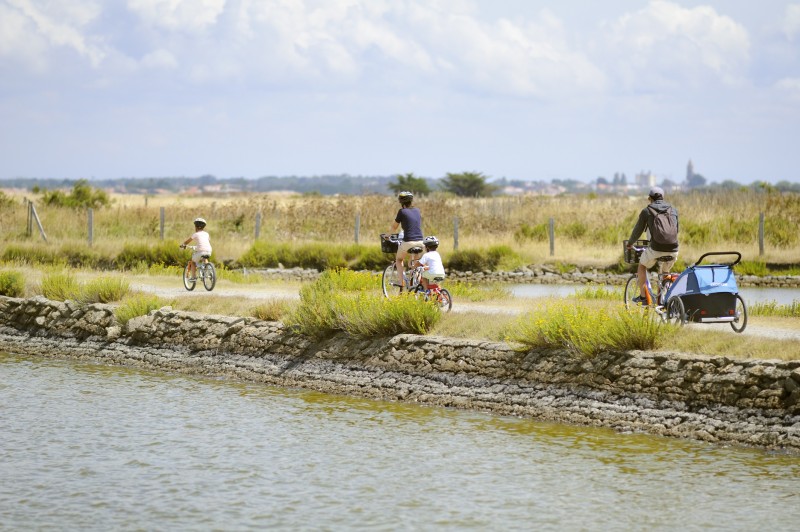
(522, 89)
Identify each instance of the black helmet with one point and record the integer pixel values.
(199, 222)
(431, 242)
(405, 196)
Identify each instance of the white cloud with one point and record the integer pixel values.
(50, 24)
(180, 15)
(790, 86)
(160, 59)
(666, 45)
(791, 23)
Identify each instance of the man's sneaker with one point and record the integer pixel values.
(639, 300)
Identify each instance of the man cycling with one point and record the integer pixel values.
(661, 221)
(410, 220)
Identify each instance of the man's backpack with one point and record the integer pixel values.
(664, 229)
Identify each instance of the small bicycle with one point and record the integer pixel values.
(435, 293)
(390, 280)
(668, 311)
(205, 271)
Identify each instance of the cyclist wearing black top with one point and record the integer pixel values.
(410, 220)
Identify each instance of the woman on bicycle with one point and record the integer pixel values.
(203, 245)
(431, 262)
(410, 220)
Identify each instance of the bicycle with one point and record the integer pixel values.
(669, 310)
(205, 271)
(435, 293)
(390, 279)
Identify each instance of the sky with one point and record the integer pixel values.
(521, 89)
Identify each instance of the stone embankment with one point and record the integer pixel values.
(537, 274)
(715, 399)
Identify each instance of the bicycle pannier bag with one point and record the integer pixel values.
(665, 226)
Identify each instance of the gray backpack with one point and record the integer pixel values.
(664, 230)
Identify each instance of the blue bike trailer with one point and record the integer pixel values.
(708, 291)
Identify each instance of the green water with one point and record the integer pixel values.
(92, 447)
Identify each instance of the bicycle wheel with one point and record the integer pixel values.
(188, 282)
(390, 281)
(676, 312)
(444, 300)
(631, 291)
(209, 276)
(740, 322)
(664, 291)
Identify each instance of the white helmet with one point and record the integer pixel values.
(200, 221)
(431, 242)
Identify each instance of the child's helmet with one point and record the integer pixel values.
(200, 222)
(431, 242)
(405, 196)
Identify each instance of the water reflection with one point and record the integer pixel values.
(98, 447)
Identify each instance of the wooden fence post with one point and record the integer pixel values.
(29, 229)
(551, 231)
(162, 223)
(38, 222)
(455, 233)
(258, 224)
(760, 233)
(91, 226)
(358, 226)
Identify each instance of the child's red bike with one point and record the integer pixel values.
(436, 293)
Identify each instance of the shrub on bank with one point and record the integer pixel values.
(104, 290)
(167, 254)
(60, 287)
(12, 284)
(271, 310)
(139, 304)
(589, 330)
(339, 300)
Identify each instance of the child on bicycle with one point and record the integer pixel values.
(430, 262)
(203, 245)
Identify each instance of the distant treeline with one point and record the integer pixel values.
(327, 185)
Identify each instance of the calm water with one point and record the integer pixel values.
(93, 447)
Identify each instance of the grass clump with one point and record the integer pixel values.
(588, 330)
(773, 308)
(104, 290)
(598, 292)
(477, 292)
(271, 310)
(325, 307)
(60, 287)
(168, 254)
(139, 304)
(12, 283)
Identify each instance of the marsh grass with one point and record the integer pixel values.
(104, 290)
(272, 309)
(137, 304)
(588, 229)
(325, 308)
(773, 308)
(588, 329)
(12, 283)
(60, 286)
(605, 293)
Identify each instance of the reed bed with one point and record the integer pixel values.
(589, 229)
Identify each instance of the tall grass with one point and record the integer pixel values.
(589, 330)
(773, 308)
(139, 304)
(61, 287)
(104, 290)
(327, 306)
(588, 230)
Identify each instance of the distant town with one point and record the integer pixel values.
(344, 184)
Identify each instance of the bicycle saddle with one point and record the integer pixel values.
(415, 250)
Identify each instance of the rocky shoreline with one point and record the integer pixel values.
(538, 274)
(714, 399)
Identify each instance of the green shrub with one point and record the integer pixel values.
(12, 283)
(326, 308)
(33, 254)
(104, 290)
(466, 260)
(574, 230)
(83, 195)
(139, 304)
(752, 267)
(60, 287)
(589, 330)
